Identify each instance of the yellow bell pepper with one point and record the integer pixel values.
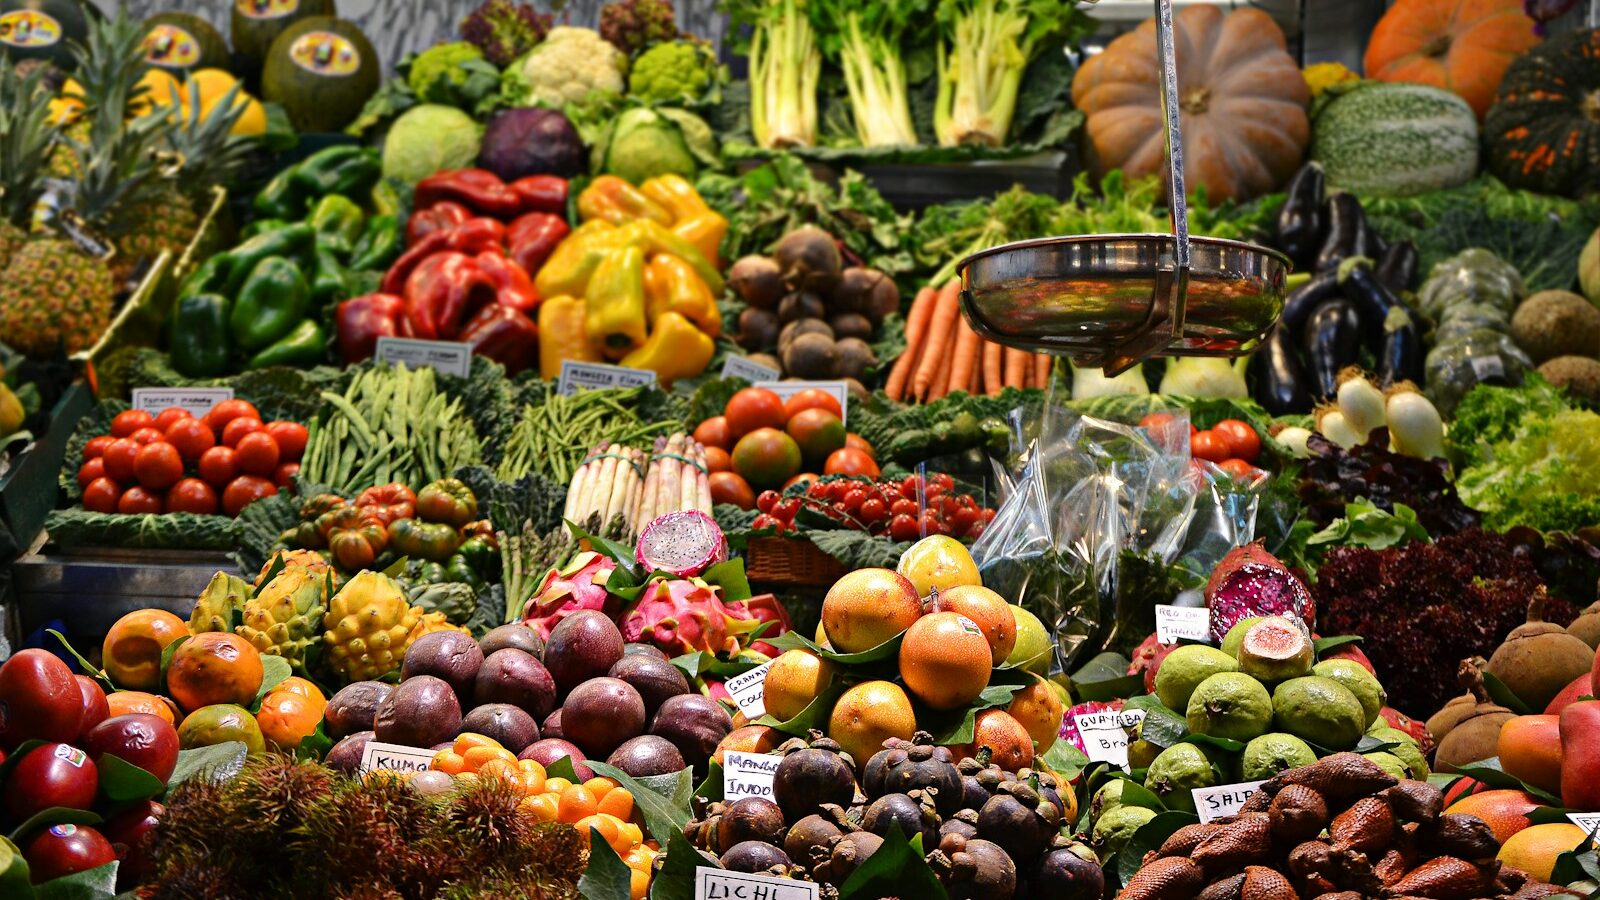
(562, 335)
(611, 199)
(657, 238)
(671, 285)
(692, 219)
(676, 349)
(569, 268)
(615, 319)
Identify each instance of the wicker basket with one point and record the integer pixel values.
(790, 561)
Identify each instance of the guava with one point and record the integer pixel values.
(1392, 764)
(1359, 681)
(1275, 649)
(1235, 635)
(1178, 770)
(1319, 711)
(1407, 749)
(1183, 670)
(1113, 830)
(1107, 798)
(1230, 705)
(1272, 753)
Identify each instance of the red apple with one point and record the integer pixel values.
(95, 706)
(146, 741)
(64, 849)
(51, 775)
(38, 699)
(129, 833)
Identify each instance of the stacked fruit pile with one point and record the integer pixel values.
(763, 442)
(901, 509)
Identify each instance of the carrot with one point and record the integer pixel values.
(916, 328)
(965, 363)
(1042, 367)
(942, 382)
(940, 329)
(992, 354)
(1016, 368)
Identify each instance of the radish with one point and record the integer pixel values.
(1294, 438)
(1361, 402)
(1414, 423)
(1333, 426)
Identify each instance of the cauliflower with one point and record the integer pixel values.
(437, 71)
(680, 70)
(569, 66)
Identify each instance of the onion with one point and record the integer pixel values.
(1361, 402)
(1333, 426)
(1414, 423)
(1293, 438)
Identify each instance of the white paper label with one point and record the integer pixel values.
(395, 757)
(447, 357)
(1105, 734)
(1487, 367)
(1188, 623)
(787, 389)
(196, 401)
(747, 691)
(585, 375)
(1222, 800)
(720, 884)
(747, 774)
(1589, 822)
(748, 369)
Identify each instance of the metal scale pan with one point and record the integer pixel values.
(1114, 300)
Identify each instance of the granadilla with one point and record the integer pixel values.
(1252, 582)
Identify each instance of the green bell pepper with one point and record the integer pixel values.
(387, 200)
(200, 341)
(422, 540)
(347, 169)
(327, 278)
(301, 348)
(272, 301)
(208, 277)
(261, 226)
(293, 242)
(338, 222)
(282, 198)
(379, 245)
(458, 569)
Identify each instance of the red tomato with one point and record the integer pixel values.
(243, 491)
(101, 495)
(904, 528)
(728, 487)
(137, 500)
(713, 432)
(718, 460)
(218, 466)
(1242, 440)
(284, 472)
(257, 453)
(90, 471)
(97, 446)
(228, 410)
(291, 438)
(158, 466)
(1155, 419)
(767, 500)
(130, 420)
(860, 443)
(802, 478)
(119, 457)
(191, 437)
(236, 429)
(850, 461)
(191, 495)
(811, 398)
(148, 435)
(1209, 446)
(169, 415)
(1240, 469)
(873, 510)
(753, 408)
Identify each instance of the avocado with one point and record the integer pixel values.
(180, 42)
(255, 24)
(322, 70)
(43, 29)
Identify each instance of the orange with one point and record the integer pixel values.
(1530, 750)
(867, 607)
(945, 660)
(618, 802)
(543, 806)
(1505, 811)
(794, 680)
(989, 610)
(869, 714)
(287, 718)
(214, 667)
(1039, 709)
(294, 684)
(124, 702)
(448, 762)
(1010, 745)
(132, 648)
(1534, 849)
(750, 739)
(576, 802)
(599, 786)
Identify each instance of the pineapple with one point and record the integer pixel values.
(27, 139)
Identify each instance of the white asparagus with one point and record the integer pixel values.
(647, 498)
(619, 485)
(573, 490)
(672, 478)
(581, 512)
(630, 502)
(603, 484)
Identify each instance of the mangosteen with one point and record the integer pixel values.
(809, 776)
(978, 870)
(750, 819)
(1069, 871)
(814, 832)
(753, 856)
(809, 259)
(848, 853)
(758, 328)
(964, 823)
(646, 755)
(1018, 820)
(757, 280)
(516, 636)
(922, 766)
(914, 815)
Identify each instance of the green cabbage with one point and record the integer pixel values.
(643, 143)
(428, 139)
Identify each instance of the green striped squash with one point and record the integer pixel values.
(1396, 140)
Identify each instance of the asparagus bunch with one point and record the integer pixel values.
(677, 480)
(608, 484)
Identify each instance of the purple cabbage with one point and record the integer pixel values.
(532, 141)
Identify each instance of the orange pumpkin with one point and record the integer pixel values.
(1463, 46)
(1241, 96)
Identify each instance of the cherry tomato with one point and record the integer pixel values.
(130, 420)
(850, 461)
(137, 500)
(218, 466)
(119, 458)
(873, 510)
(766, 500)
(1156, 419)
(291, 438)
(90, 471)
(853, 499)
(903, 507)
(243, 491)
(860, 443)
(963, 519)
(284, 472)
(1207, 445)
(236, 429)
(932, 523)
(1242, 440)
(191, 437)
(101, 495)
(904, 528)
(148, 435)
(786, 509)
(228, 410)
(812, 398)
(256, 453)
(191, 495)
(158, 466)
(764, 522)
(169, 415)
(97, 446)
(1240, 469)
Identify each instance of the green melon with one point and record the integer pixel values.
(43, 29)
(180, 42)
(1396, 140)
(255, 24)
(322, 70)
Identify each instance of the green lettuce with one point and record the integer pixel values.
(1545, 476)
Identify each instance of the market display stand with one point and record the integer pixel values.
(82, 595)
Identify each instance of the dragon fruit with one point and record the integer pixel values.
(1350, 652)
(1069, 722)
(1402, 722)
(684, 616)
(684, 544)
(1147, 659)
(763, 608)
(581, 584)
(1252, 582)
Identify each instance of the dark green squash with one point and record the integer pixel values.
(1544, 128)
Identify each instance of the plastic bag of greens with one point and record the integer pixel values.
(1466, 360)
(1471, 276)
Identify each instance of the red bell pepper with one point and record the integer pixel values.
(534, 236)
(542, 193)
(471, 237)
(479, 190)
(442, 292)
(505, 335)
(441, 216)
(360, 321)
(513, 287)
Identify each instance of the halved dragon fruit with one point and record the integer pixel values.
(580, 584)
(682, 616)
(1069, 723)
(1147, 659)
(763, 608)
(1252, 582)
(683, 543)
